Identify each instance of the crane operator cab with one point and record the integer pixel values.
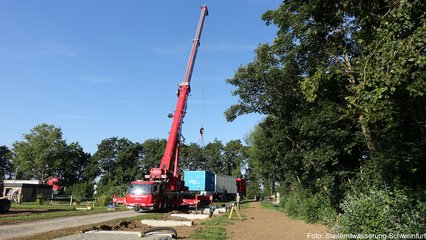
(144, 195)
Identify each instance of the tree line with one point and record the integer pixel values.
(342, 86)
(44, 152)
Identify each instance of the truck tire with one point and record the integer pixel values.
(137, 208)
(165, 204)
(4, 205)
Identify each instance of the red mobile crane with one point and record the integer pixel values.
(163, 187)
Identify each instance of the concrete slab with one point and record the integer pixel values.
(116, 235)
(104, 235)
(166, 223)
(191, 216)
(216, 211)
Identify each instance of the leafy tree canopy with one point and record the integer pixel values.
(5, 163)
(44, 153)
(342, 87)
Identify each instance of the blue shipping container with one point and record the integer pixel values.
(199, 181)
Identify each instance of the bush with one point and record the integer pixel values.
(39, 199)
(106, 191)
(381, 212)
(103, 200)
(310, 207)
(80, 191)
(291, 204)
(111, 188)
(318, 208)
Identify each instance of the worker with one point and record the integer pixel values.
(238, 200)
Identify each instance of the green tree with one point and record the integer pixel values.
(153, 150)
(234, 158)
(119, 161)
(73, 169)
(45, 153)
(5, 162)
(192, 157)
(91, 171)
(213, 153)
(41, 154)
(391, 93)
(343, 90)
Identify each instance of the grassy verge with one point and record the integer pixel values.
(269, 205)
(212, 229)
(33, 212)
(215, 228)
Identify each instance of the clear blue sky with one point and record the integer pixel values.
(99, 69)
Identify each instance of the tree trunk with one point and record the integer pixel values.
(364, 127)
(367, 134)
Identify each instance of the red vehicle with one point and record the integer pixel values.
(163, 187)
(56, 184)
(241, 186)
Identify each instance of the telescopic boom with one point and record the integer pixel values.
(169, 162)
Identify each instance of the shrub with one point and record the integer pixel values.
(312, 208)
(106, 191)
(292, 204)
(292, 200)
(80, 191)
(318, 208)
(381, 212)
(103, 200)
(309, 209)
(39, 199)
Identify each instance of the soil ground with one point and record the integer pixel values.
(262, 223)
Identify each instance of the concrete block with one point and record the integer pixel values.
(191, 216)
(219, 211)
(166, 223)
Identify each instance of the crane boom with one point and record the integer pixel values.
(169, 161)
(163, 188)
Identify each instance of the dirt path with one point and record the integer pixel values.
(38, 227)
(262, 223)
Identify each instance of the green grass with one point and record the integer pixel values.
(215, 228)
(212, 229)
(31, 205)
(269, 205)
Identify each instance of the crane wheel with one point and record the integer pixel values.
(164, 205)
(137, 208)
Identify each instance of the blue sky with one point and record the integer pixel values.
(99, 69)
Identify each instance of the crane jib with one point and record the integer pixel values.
(168, 163)
(195, 45)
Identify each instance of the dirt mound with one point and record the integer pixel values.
(125, 225)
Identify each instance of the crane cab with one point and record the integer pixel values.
(145, 195)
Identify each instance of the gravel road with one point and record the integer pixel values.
(38, 227)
